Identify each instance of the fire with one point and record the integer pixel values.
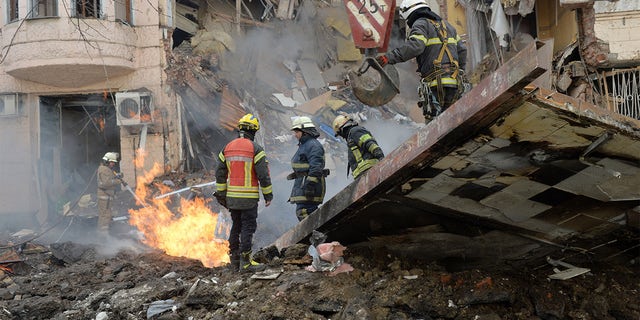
(188, 232)
(5, 269)
(100, 122)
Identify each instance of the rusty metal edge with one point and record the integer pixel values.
(482, 106)
(581, 108)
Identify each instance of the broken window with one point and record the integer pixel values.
(123, 11)
(44, 8)
(87, 9)
(12, 10)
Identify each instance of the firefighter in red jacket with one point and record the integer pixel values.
(243, 170)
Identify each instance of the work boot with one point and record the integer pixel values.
(248, 265)
(234, 264)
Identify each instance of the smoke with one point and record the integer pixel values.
(263, 56)
(264, 62)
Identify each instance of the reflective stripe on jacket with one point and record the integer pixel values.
(362, 146)
(424, 44)
(308, 164)
(242, 170)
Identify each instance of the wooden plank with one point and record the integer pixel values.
(283, 9)
(315, 104)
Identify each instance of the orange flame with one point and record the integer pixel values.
(6, 269)
(100, 122)
(189, 232)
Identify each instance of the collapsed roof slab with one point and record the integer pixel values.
(477, 110)
(506, 156)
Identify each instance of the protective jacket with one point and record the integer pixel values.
(364, 151)
(107, 183)
(308, 165)
(425, 44)
(242, 171)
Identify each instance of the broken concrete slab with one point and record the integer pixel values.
(347, 51)
(312, 74)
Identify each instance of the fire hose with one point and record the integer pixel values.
(126, 186)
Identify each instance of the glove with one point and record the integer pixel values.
(119, 175)
(382, 60)
(221, 196)
(309, 189)
(291, 176)
(378, 154)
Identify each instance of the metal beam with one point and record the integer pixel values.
(478, 109)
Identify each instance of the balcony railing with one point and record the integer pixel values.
(622, 90)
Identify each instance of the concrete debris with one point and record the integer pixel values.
(285, 101)
(160, 307)
(570, 271)
(212, 41)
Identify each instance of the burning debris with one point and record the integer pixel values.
(186, 229)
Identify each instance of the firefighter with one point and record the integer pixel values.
(364, 151)
(108, 180)
(243, 170)
(439, 52)
(308, 168)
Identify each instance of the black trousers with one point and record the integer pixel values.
(449, 97)
(244, 224)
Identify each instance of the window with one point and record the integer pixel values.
(12, 10)
(87, 9)
(44, 8)
(8, 104)
(123, 10)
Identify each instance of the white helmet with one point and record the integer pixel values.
(111, 157)
(409, 6)
(302, 123)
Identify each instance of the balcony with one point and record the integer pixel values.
(69, 53)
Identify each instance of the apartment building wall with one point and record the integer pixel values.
(60, 55)
(620, 28)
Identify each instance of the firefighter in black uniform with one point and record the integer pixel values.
(439, 52)
(364, 151)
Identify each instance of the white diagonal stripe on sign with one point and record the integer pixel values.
(363, 21)
(378, 14)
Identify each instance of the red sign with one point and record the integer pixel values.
(371, 22)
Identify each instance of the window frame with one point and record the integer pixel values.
(97, 10)
(13, 10)
(123, 7)
(49, 6)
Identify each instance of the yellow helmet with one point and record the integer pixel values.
(339, 122)
(249, 122)
(302, 123)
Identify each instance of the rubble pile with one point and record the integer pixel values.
(121, 279)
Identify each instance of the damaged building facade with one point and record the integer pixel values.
(591, 46)
(79, 81)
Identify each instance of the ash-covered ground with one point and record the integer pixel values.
(120, 278)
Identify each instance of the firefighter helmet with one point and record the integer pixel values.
(111, 157)
(407, 7)
(300, 123)
(340, 122)
(249, 122)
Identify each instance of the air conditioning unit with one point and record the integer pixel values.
(133, 108)
(8, 104)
